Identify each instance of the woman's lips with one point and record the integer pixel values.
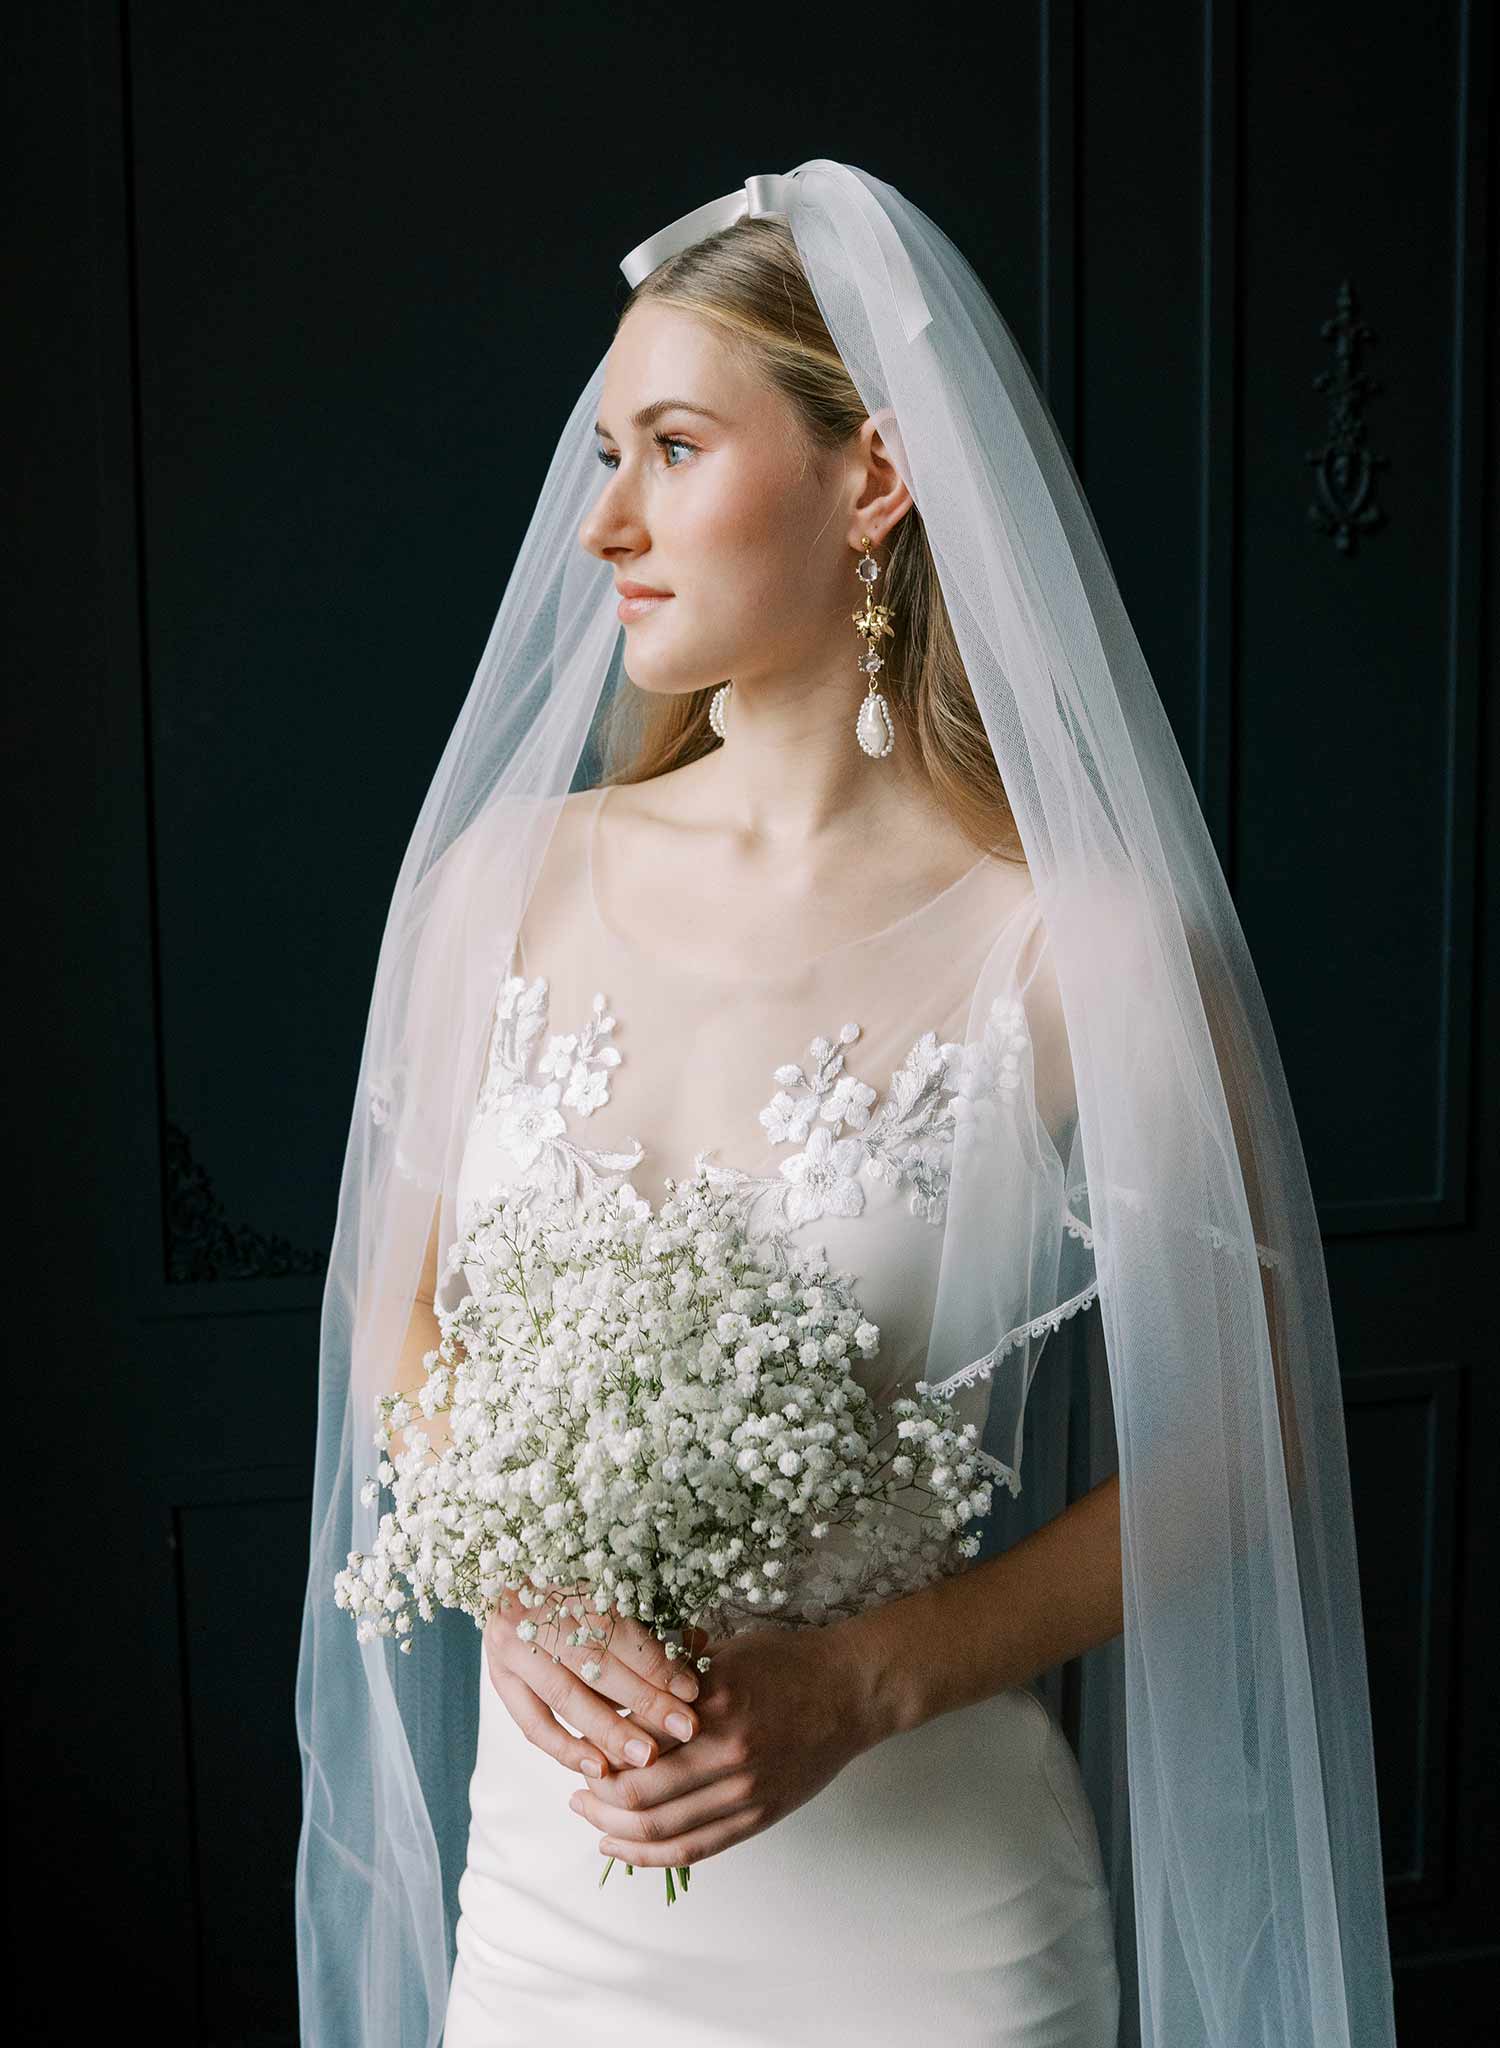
(637, 607)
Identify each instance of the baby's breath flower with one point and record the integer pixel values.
(652, 1416)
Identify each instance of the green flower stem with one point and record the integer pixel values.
(683, 1871)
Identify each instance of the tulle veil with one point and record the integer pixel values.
(1225, 1737)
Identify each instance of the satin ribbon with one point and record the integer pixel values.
(766, 193)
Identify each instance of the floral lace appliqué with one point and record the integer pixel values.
(573, 1072)
(943, 1094)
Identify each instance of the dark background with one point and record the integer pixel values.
(297, 298)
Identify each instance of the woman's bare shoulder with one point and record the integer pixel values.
(479, 863)
(558, 891)
(552, 825)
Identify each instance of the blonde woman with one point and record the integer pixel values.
(813, 814)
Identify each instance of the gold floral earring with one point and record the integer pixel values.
(874, 728)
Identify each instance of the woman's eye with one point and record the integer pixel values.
(662, 441)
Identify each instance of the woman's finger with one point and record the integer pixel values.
(624, 1744)
(672, 1818)
(629, 1640)
(646, 1653)
(634, 1671)
(595, 1760)
(688, 1848)
(542, 1728)
(620, 1679)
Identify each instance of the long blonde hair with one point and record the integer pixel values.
(749, 281)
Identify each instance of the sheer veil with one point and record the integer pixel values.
(1225, 1736)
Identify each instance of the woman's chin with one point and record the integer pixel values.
(657, 684)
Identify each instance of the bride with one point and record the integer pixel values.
(776, 884)
(861, 868)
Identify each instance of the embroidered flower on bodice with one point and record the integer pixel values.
(943, 1093)
(822, 1179)
(527, 1114)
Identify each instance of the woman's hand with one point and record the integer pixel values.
(635, 1671)
(781, 1714)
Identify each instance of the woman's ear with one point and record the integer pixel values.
(883, 499)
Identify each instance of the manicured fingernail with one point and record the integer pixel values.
(576, 1802)
(638, 1752)
(609, 1848)
(680, 1725)
(685, 1686)
(589, 1765)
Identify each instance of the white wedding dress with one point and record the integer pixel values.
(947, 1885)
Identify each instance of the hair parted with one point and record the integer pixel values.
(749, 281)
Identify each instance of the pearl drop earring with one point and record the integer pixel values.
(874, 728)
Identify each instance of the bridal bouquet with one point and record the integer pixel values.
(655, 1413)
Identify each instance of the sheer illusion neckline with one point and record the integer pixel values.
(763, 972)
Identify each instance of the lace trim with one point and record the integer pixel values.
(1076, 1227)
(1210, 1233)
(1043, 1325)
(1039, 1326)
(1003, 1472)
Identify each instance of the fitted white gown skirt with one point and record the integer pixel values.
(946, 1886)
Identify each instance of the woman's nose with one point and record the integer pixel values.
(612, 521)
(603, 532)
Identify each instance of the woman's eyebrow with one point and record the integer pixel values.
(650, 414)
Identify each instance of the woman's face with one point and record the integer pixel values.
(726, 512)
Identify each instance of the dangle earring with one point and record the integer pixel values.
(874, 728)
(716, 705)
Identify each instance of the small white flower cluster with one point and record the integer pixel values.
(652, 1413)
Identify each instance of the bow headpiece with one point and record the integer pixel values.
(766, 193)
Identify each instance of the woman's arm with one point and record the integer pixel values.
(423, 1334)
(963, 1639)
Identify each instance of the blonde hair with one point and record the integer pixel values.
(749, 281)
